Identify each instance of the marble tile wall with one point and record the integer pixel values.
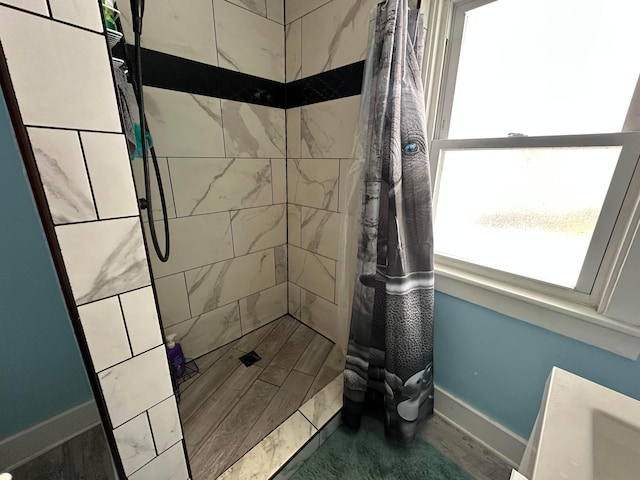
(322, 172)
(321, 179)
(322, 35)
(71, 117)
(241, 35)
(224, 175)
(322, 176)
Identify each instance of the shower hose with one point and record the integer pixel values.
(137, 12)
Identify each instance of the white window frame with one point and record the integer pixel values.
(579, 313)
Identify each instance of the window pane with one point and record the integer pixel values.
(528, 211)
(546, 67)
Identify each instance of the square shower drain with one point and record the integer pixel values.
(250, 358)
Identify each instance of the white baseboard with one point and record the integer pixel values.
(501, 441)
(29, 444)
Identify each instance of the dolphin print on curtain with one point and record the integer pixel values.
(390, 353)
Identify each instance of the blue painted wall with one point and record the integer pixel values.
(41, 371)
(499, 365)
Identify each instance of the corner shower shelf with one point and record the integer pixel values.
(113, 36)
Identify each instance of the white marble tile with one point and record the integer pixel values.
(256, 6)
(256, 229)
(195, 241)
(134, 386)
(293, 39)
(300, 457)
(58, 90)
(320, 315)
(321, 232)
(328, 129)
(253, 130)
(297, 8)
(170, 465)
(183, 29)
(261, 308)
(224, 282)
(281, 263)
(135, 444)
(335, 35)
(110, 172)
(293, 132)
(312, 272)
(325, 404)
(165, 424)
(205, 185)
(105, 332)
(37, 6)
(266, 458)
(279, 180)
(294, 300)
(83, 13)
(103, 258)
(294, 222)
(141, 318)
(138, 176)
(172, 299)
(63, 174)
(184, 124)
(248, 43)
(313, 183)
(208, 331)
(275, 10)
(329, 427)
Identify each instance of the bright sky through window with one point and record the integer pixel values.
(535, 68)
(546, 67)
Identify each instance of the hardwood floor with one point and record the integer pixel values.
(85, 456)
(229, 408)
(475, 459)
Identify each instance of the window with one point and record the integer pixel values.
(537, 141)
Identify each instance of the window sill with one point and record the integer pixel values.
(572, 320)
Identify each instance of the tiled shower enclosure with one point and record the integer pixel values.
(257, 190)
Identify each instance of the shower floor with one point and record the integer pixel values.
(229, 408)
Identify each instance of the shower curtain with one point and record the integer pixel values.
(390, 353)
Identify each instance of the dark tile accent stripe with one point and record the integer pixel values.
(175, 73)
(330, 85)
(180, 74)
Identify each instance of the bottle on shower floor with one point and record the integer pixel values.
(176, 357)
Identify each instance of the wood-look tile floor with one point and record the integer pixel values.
(228, 408)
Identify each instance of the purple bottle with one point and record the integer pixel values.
(176, 357)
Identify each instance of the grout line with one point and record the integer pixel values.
(224, 136)
(132, 357)
(126, 330)
(215, 35)
(86, 169)
(186, 291)
(305, 417)
(153, 438)
(218, 307)
(233, 246)
(255, 13)
(173, 196)
(133, 473)
(50, 17)
(310, 11)
(114, 295)
(49, 127)
(150, 407)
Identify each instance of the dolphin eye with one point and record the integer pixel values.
(410, 148)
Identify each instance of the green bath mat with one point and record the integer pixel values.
(366, 455)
